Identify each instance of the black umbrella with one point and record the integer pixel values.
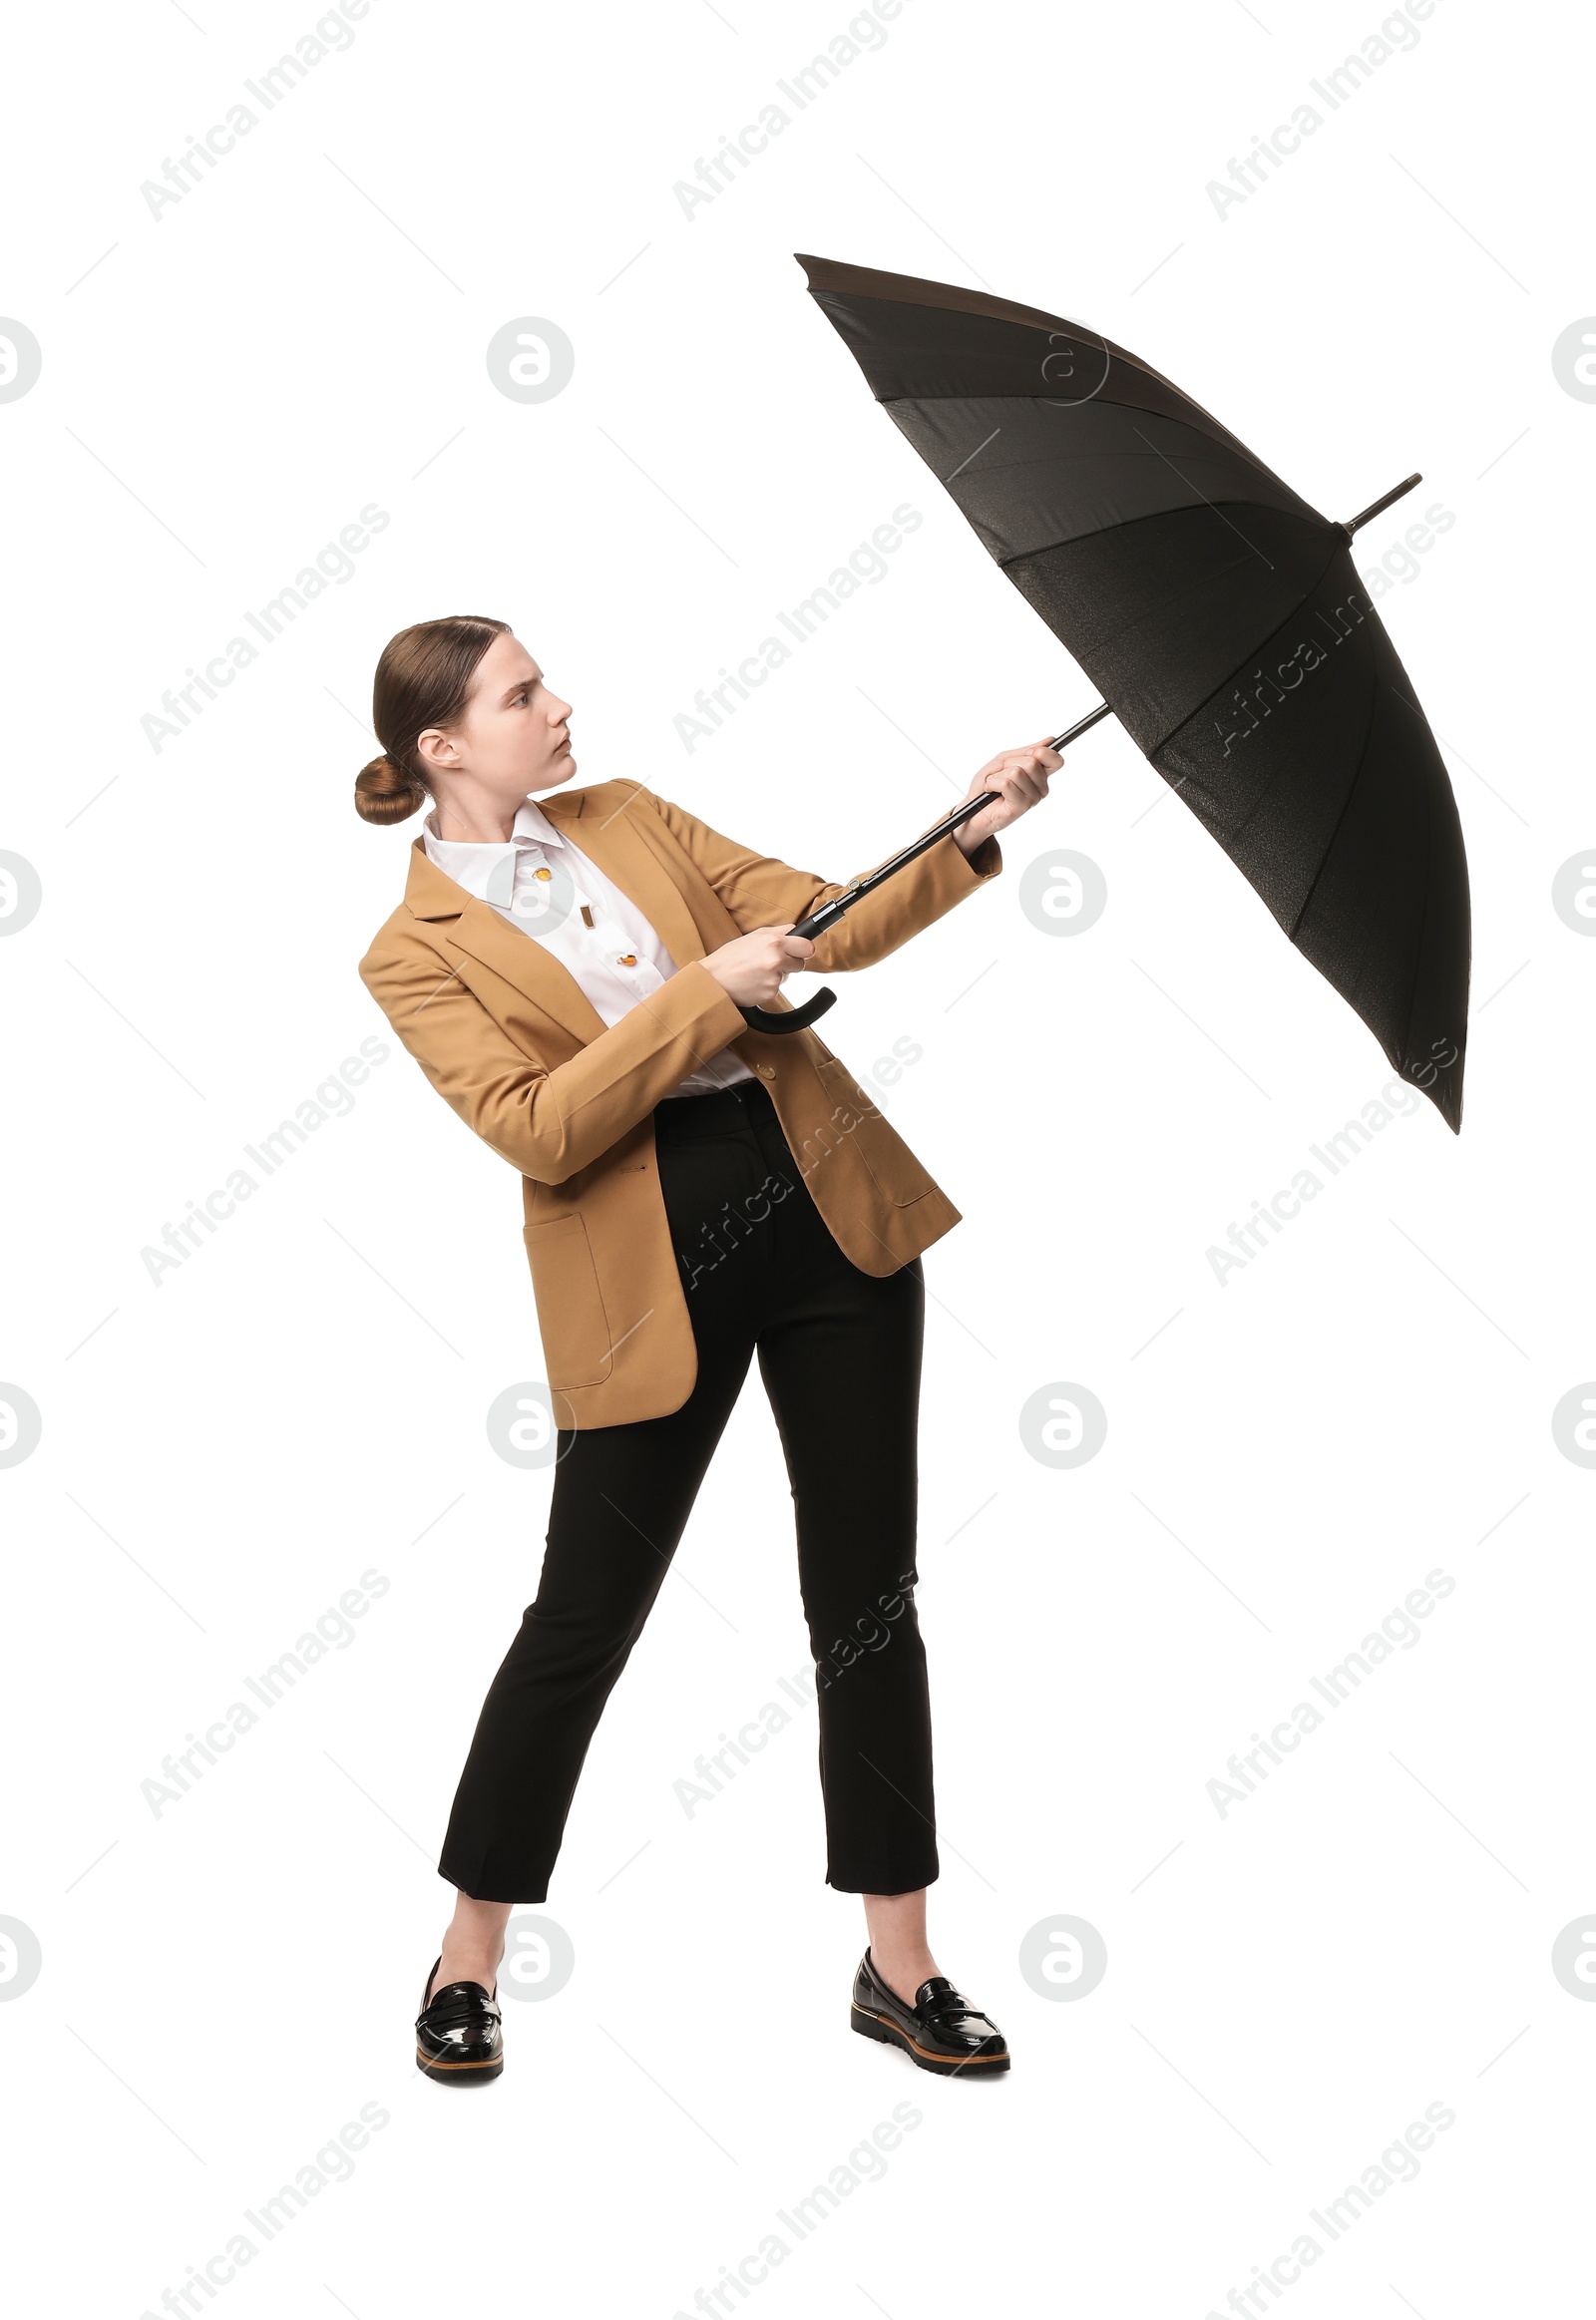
(1220, 616)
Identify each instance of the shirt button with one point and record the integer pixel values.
(628, 959)
(545, 875)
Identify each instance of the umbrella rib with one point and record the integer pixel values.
(1220, 432)
(1135, 362)
(1424, 918)
(1050, 462)
(1006, 564)
(1346, 807)
(1220, 440)
(1231, 674)
(1207, 503)
(1424, 922)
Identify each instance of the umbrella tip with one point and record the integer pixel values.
(1378, 506)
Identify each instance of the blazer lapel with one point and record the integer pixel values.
(616, 839)
(477, 928)
(613, 838)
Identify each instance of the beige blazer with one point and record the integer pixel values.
(506, 1036)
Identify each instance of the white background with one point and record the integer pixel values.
(223, 388)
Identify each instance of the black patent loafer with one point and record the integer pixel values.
(940, 2032)
(459, 2035)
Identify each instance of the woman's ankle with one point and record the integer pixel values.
(899, 1948)
(473, 1942)
(469, 1953)
(904, 1970)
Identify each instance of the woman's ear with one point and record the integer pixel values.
(437, 752)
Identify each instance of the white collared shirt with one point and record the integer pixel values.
(539, 882)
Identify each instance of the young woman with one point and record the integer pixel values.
(570, 976)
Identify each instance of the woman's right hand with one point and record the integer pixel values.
(751, 968)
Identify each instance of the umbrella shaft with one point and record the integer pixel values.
(829, 912)
(1081, 725)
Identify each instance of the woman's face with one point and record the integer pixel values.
(514, 735)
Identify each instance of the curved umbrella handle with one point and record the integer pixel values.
(765, 1019)
(821, 921)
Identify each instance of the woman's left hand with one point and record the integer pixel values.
(1018, 779)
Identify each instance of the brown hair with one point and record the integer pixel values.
(423, 678)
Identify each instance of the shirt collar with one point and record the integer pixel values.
(470, 863)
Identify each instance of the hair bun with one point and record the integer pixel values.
(385, 794)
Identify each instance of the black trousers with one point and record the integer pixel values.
(839, 1353)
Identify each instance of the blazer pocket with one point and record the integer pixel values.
(897, 1172)
(576, 1340)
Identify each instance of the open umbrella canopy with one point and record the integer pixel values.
(1220, 615)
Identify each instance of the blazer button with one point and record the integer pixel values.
(766, 1070)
